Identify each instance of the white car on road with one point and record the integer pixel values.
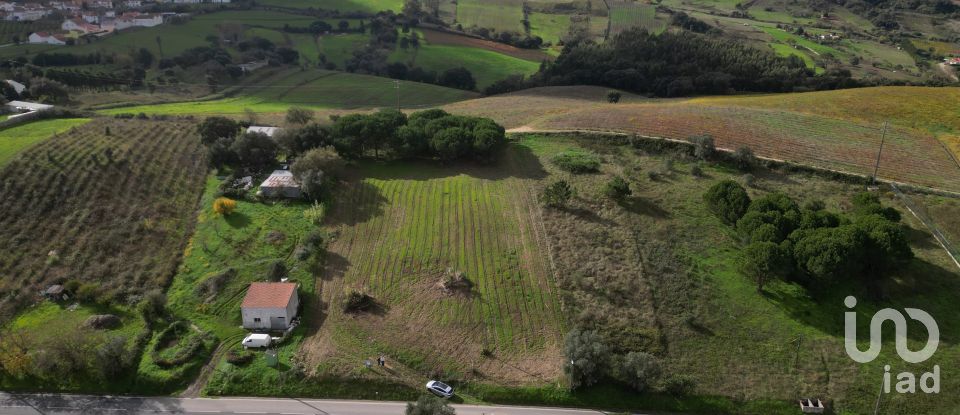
(440, 389)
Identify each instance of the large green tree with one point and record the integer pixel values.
(727, 200)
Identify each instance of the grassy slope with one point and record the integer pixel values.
(315, 89)
(485, 65)
(16, 139)
(502, 15)
(798, 127)
(710, 349)
(369, 6)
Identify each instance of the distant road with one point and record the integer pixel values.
(57, 404)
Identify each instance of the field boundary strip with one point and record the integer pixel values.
(927, 189)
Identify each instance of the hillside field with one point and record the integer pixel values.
(655, 274)
(100, 208)
(19, 138)
(844, 135)
(318, 89)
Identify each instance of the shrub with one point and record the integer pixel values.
(239, 357)
(298, 115)
(703, 146)
(639, 370)
(679, 385)
(696, 170)
(617, 188)
(577, 162)
(613, 97)
(557, 194)
(315, 213)
(429, 405)
(224, 206)
(727, 200)
(745, 159)
(749, 180)
(586, 357)
(356, 301)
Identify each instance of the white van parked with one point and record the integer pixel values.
(257, 340)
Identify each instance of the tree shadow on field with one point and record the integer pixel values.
(919, 284)
(335, 266)
(237, 220)
(920, 238)
(514, 162)
(587, 215)
(356, 202)
(643, 206)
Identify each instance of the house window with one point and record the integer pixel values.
(256, 320)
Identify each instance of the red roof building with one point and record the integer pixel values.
(270, 305)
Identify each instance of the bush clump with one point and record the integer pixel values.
(357, 301)
(577, 162)
(239, 357)
(727, 200)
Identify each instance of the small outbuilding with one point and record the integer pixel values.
(24, 106)
(270, 306)
(268, 131)
(55, 292)
(281, 183)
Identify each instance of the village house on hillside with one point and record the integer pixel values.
(269, 306)
(47, 38)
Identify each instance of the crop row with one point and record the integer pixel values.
(107, 203)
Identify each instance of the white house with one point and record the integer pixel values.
(262, 129)
(269, 305)
(137, 19)
(7, 7)
(133, 3)
(101, 4)
(46, 38)
(79, 25)
(24, 14)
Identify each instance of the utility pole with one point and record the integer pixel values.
(396, 85)
(876, 406)
(876, 167)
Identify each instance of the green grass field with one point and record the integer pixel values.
(628, 14)
(316, 89)
(16, 139)
(550, 27)
(368, 6)
(248, 241)
(487, 66)
(502, 15)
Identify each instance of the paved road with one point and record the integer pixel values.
(56, 404)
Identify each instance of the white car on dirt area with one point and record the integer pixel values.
(440, 389)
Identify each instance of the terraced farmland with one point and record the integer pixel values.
(16, 139)
(403, 228)
(628, 14)
(110, 208)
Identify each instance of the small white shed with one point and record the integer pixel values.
(281, 183)
(268, 131)
(269, 305)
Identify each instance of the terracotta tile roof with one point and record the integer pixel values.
(269, 295)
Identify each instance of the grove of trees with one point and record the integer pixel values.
(809, 244)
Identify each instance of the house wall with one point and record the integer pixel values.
(265, 315)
